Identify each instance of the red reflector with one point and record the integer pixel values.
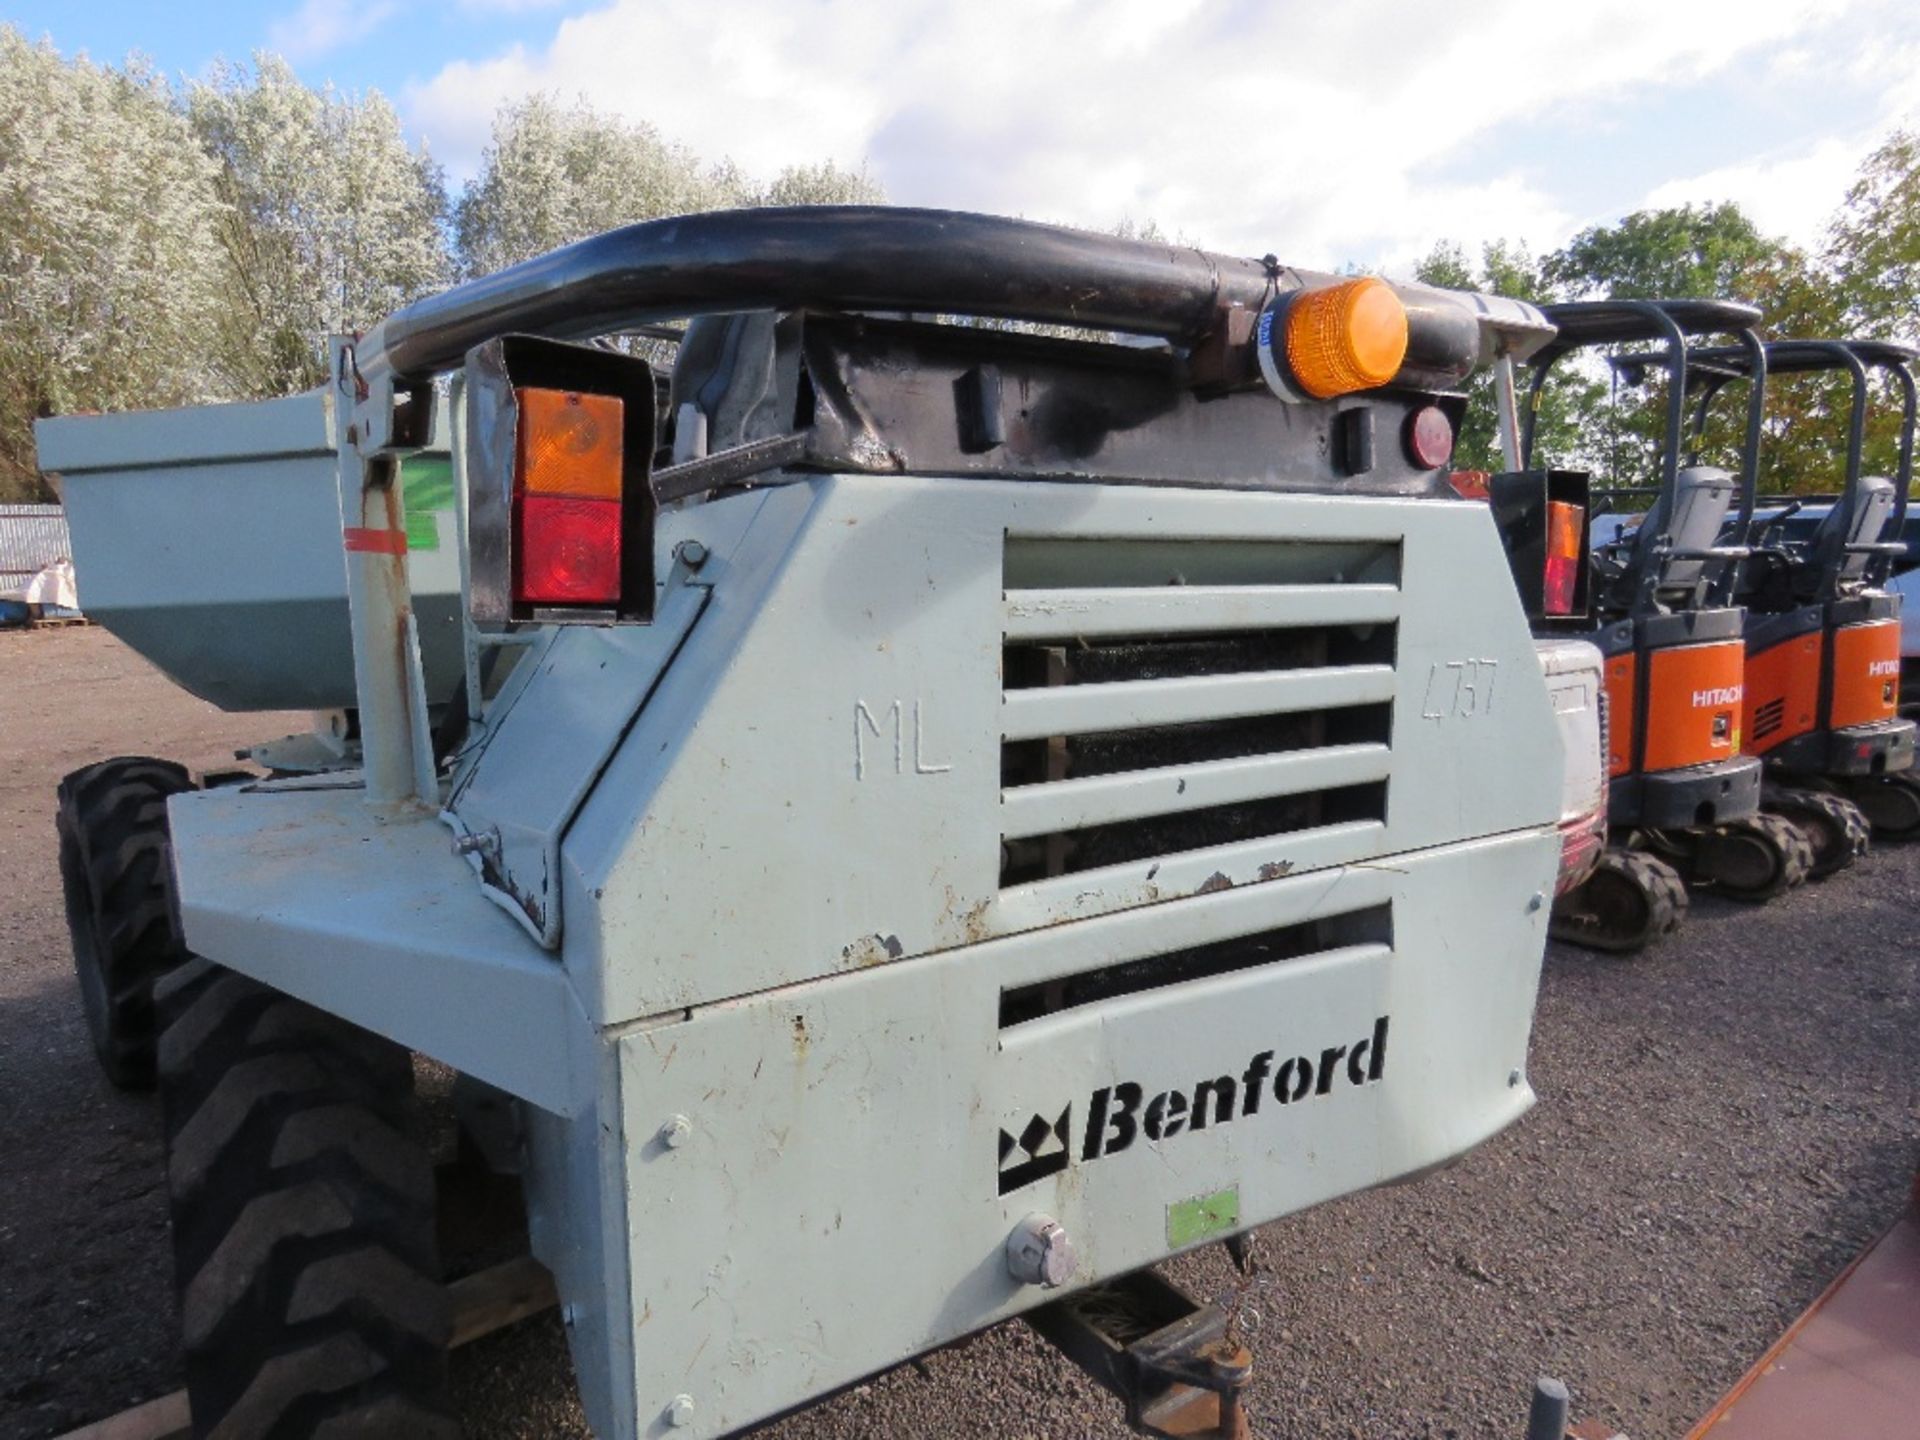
(1565, 554)
(1470, 484)
(1580, 847)
(1429, 437)
(567, 551)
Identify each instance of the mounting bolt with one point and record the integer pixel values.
(675, 1133)
(1513, 1079)
(1040, 1253)
(680, 1411)
(1535, 901)
(477, 842)
(692, 554)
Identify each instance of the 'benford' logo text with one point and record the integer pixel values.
(1120, 1114)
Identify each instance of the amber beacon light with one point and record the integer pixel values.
(1333, 341)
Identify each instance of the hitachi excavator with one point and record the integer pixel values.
(1823, 630)
(1683, 801)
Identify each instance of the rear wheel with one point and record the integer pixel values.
(1891, 803)
(303, 1220)
(1630, 900)
(1836, 827)
(112, 824)
(1753, 859)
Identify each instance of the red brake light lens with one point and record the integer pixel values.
(1565, 554)
(568, 551)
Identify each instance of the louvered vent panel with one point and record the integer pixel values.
(1167, 698)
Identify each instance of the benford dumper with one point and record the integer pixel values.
(901, 823)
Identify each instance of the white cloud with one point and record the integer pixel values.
(1793, 192)
(319, 27)
(1792, 195)
(1323, 132)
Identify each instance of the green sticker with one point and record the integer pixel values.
(429, 482)
(423, 530)
(428, 489)
(1189, 1221)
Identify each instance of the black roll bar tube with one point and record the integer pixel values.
(875, 258)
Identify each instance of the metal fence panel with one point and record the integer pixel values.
(32, 537)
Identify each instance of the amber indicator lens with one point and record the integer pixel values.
(568, 443)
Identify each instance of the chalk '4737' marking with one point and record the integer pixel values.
(1459, 689)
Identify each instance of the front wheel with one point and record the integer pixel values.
(303, 1220)
(112, 825)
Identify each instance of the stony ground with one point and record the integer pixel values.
(1723, 1123)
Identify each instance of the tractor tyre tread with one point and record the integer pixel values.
(111, 823)
(302, 1200)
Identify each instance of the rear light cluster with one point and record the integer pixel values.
(566, 498)
(1566, 552)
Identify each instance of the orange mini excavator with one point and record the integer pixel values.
(1823, 629)
(1683, 801)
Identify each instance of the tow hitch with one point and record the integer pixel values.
(1173, 1362)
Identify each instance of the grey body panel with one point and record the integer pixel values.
(771, 829)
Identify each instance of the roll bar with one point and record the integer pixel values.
(877, 258)
(1588, 323)
(1719, 366)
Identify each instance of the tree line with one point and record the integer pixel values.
(168, 244)
(1861, 280)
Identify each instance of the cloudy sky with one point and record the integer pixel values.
(1328, 132)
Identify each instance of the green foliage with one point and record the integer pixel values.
(329, 221)
(107, 211)
(162, 246)
(1711, 252)
(555, 174)
(1873, 245)
(1692, 251)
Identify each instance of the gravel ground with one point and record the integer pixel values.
(1723, 1123)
